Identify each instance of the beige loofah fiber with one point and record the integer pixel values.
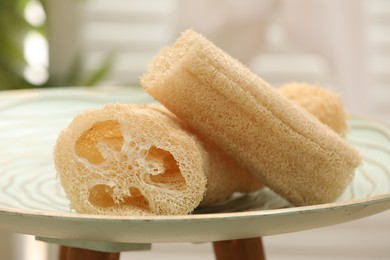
(130, 160)
(224, 175)
(320, 102)
(288, 149)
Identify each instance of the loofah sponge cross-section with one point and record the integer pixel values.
(130, 160)
(127, 159)
(284, 146)
(224, 175)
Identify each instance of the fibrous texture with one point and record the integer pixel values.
(281, 144)
(224, 175)
(130, 160)
(320, 102)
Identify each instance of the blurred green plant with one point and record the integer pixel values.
(13, 30)
(76, 76)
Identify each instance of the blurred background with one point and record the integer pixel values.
(342, 45)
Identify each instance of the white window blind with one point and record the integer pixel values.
(135, 30)
(379, 37)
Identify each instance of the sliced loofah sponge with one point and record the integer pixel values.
(130, 160)
(320, 102)
(139, 160)
(224, 175)
(287, 148)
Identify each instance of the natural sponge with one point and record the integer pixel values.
(286, 147)
(225, 175)
(127, 159)
(130, 160)
(320, 102)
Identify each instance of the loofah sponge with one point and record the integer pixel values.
(320, 102)
(224, 175)
(283, 145)
(130, 160)
(139, 160)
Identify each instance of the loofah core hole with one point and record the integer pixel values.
(108, 132)
(136, 199)
(170, 176)
(101, 196)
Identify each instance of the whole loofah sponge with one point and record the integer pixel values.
(287, 148)
(130, 160)
(320, 102)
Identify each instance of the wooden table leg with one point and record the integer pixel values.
(63, 253)
(240, 249)
(72, 253)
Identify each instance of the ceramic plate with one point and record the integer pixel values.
(32, 201)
